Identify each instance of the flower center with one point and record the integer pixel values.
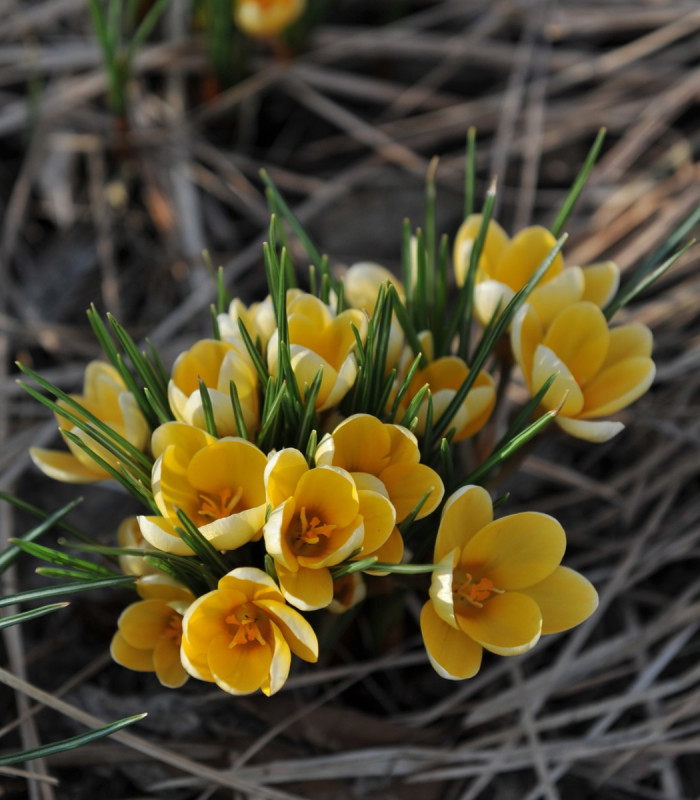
(308, 534)
(173, 630)
(219, 505)
(471, 592)
(244, 624)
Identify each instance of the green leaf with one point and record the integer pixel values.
(69, 744)
(207, 410)
(25, 616)
(65, 588)
(579, 183)
(61, 559)
(241, 427)
(469, 172)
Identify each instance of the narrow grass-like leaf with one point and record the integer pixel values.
(420, 299)
(409, 418)
(254, 353)
(59, 558)
(430, 242)
(521, 420)
(10, 554)
(65, 588)
(469, 172)
(309, 418)
(311, 445)
(407, 326)
(404, 569)
(441, 342)
(348, 567)
(404, 386)
(144, 30)
(207, 410)
(65, 573)
(407, 267)
(215, 322)
(579, 183)
(241, 427)
(25, 616)
(211, 557)
(415, 511)
(69, 744)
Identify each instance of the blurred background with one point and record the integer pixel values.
(132, 134)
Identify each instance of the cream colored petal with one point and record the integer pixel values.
(628, 341)
(550, 298)
(296, 630)
(508, 624)
(160, 532)
(407, 483)
(601, 282)
(590, 430)
(306, 589)
(525, 336)
(136, 429)
(441, 588)
(453, 655)
(232, 532)
(490, 296)
(564, 390)
(131, 657)
(167, 664)
(618, 386)
(177, 400)
(279, 666)
(479, 404)
(515, 551)
(579, 337)
(282, 473)
(223, 412)
(466, 512)
(565, 599)
(343, 382)
(275, 533)
(306, 364)
(362, 282)
(364, 480)
(62, 466)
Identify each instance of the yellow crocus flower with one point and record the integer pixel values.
(599, 370)
(106, 397)
(499, 585)
(263, 18)
(241, 635)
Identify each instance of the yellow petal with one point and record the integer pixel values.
(136, 429)
(629, 341)
(361, 444)
(275, 533)
(362, 282)
(391, 552)
(407, 483)
(590, 430)
(296, 630)
(601, 282)
(495, 245)
(403, 445)
(524, 255)
(201, 361)
(453, 655)
(232, 532)
(280, 663)
(491, 296)
(241, 669)
(341, 544)
(230, 464)
(63, 466)
(221, 408)
(160, 532)
(131, 657)
(565, 599)
(617, 386)
(167, 664)
(195, 662)
(282, 473)
(515, 551)
(564, 390)
(378, 517)
(143, 623)
(343, 381)
(466, 512)
(508, 624)
(550, 298)
(306, 589)
(206, 619)
(183, 436)
(252, 583)
(579, 337)
(160, 586)
(331, 493)
(525, 337)
(306, 364)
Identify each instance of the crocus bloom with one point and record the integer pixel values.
(241, 635)
(150, 631)
(218, 483)
(507, 264)
(319, 518)
(444, 376)
(106, 397)
(259, 320)
(263, 18)
(129, 536)
(598, 370)
(348, 591)
(499, 585)
(320, 340)
(217, 364)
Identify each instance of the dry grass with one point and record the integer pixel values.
(611, 710)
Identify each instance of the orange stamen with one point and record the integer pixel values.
(247, 630)
(223, 506)
(312, 531)
(474, 593)
(173, 629)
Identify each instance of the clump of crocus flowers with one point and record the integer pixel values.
(319, 440)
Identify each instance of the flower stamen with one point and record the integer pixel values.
(223, 506)
(173, 629)
(311, 532)
(471, 592)
(247, 630)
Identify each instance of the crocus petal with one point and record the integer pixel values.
(167, 664)
(453, 655)
(404, 445)
(466, 512)
(508, 624)
(391, 552)
(279, 665)
(515, 551)
(160, 586)
(495, 244)
(491, 296)
(361, 444)
(343, 382)
(362, 282)
(296, 630)
(618, 386)
(230, 464)
(232, 532)
(142, 623)
(601, 282)
(525, 336)
(186, 438)
(306, 589)
(579, 337)
(249, 583)
(275, 533)
(564, 391)
(590, 430)
(221, 408)
(550, 298)
(282, 473)
(240, 669)
(379, 517)
(565, 599)
(136, 429)
(63, 466)
(342, 544)
(331, 493)
(131, 657)
(160, 532)
(195, 662)
(629, 341)
(441, 588)
(407, 483)
(524, 255)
